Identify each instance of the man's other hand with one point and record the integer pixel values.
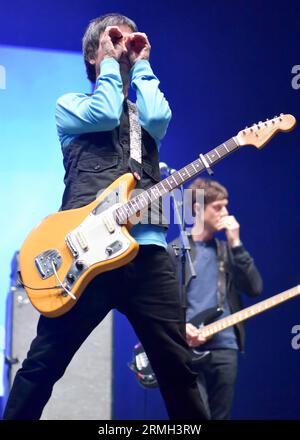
(193, 336)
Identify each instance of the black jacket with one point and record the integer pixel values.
(241, 275)
(94, 160)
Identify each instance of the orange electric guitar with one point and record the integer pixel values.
(69, 248)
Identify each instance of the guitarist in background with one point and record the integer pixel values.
(224, 270)
(94, 132)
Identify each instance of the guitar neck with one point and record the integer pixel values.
(143, 200)
(222, 324)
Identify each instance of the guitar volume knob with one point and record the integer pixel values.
(109, 250)
(79, 265)
(71, 277)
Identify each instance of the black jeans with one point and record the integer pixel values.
(146, 291)
(216, 381)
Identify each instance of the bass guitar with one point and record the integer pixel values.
(141, 366)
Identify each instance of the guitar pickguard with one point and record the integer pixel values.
(110, 200)
(97, 239)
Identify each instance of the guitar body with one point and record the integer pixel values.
(80, 244)
(200, 320)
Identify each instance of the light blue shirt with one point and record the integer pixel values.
(78, 113)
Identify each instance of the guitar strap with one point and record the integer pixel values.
(222, 255)
(135, 136)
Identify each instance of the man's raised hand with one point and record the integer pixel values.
(138, 47)
(112, 42)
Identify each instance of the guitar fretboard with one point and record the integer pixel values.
(222, 324)
(136, 204)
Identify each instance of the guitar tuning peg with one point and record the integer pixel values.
(244, 132)
(281, 114)
(275, 117)
(267, 119)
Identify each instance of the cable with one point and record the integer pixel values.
(34, 288)
(48, 288)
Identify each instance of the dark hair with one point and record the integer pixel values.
(90, 40)
(213, 191)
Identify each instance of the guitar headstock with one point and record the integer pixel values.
(259, 134)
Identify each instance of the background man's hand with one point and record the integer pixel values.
(138, 47)
(193, 336)
(232, 229)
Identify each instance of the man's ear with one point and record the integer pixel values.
(92, 61)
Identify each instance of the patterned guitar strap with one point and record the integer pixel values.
(135, 135)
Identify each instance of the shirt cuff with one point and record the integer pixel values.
(109, 66)
(237, 249)
(141, 68)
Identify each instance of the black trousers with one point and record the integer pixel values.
(216, 381)
(146, 291)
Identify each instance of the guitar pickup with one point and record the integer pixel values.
(81, 241)
(71, 246)
(109, 223)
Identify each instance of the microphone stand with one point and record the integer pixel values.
(184, 249)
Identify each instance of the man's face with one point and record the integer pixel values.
(213, 213)
(124, 62)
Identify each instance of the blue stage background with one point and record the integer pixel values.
(222, 65)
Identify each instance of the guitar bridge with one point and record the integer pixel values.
(43, 263)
